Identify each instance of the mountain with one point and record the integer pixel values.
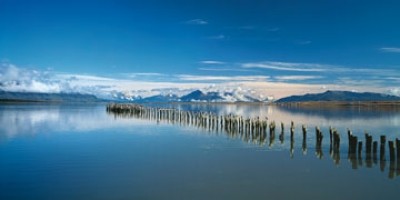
(206, 95)
(159, 98)
(340, 96)
(198, 95)
(46, 97)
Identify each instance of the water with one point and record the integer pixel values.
(82, 152)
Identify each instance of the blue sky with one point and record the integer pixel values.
(311, 45)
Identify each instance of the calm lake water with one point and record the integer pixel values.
(82, 152)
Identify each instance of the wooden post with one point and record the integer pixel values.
(392, 166)
(359, 153)
(368, 150)
(318, 146)
(291, 147)
(282, 137)
(382, 153)
(353, 140)
(292, 133)
(391, 150)
(398, 150)
(368, 143)
(304, 129)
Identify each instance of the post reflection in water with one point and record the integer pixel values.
(256, 129)
(318, 143)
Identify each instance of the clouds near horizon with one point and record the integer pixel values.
(13, 78)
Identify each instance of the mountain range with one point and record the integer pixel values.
(200, 96)
(340, 96)
(197, 96)
(46, 97)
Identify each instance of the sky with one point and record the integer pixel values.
(272, 48)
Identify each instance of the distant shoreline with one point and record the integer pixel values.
(339, 103)
(314, 104)
(23, 101)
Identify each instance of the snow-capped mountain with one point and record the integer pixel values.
(206, 95)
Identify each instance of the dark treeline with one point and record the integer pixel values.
(262, 131)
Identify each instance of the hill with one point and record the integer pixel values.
(340, 96)
(46, 97)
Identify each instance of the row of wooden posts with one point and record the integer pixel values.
(256, 130)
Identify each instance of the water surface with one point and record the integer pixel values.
(82, 152)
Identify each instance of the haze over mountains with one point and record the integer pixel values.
(197, 96)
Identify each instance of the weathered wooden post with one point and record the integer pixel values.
(382, 153)
(368, 143)
(292, 132)
(391, 151)
(336, 147)
(353, 144)
(336, 139)
(304, 143)
(398, 149)
(271, 133)
(392, 166)
(398, 157)
(375, 152)
(352, 140)
(368, 150)
(304, 129)
(359, 153)
(291, 147)
(318, 145)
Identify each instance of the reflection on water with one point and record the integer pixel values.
(29, 119)
(82, 152)
(32, 119)
(258, 130)
(359, 119)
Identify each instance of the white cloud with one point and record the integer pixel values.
(394, 91)
(197, 22)
(393, 78)
(212, 62)
(143, 74)
(315, 67)
(186, 77)
(225, 69)
(296, 78)
(15, 79)
(66, 76)
(287, 66)
(390, 49)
